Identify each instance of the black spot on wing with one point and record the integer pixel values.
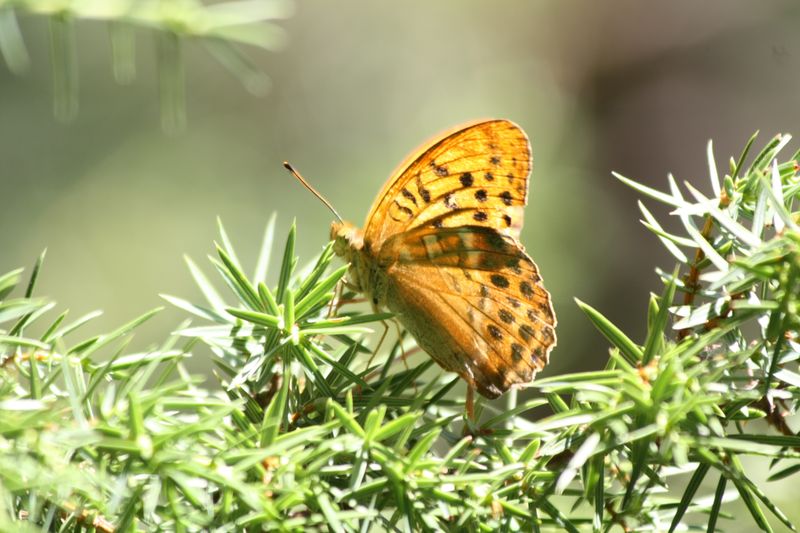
(496, 241)
(439, 169)
(408, 194)
(500, 281)
(526, 332)
(544, 314)
(423, 192)
(516, 352)
(495, 332)
(506, 317)
(526, 289)
(538, 353)
(403, 209)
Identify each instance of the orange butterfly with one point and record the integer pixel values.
(440, 250)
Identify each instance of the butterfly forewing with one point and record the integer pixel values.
(475, 176)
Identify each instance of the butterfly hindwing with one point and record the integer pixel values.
(477, 175)
(499, 326)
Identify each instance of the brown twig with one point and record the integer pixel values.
(775, 417)
(264, 397)
(616, 517)
(691, 281)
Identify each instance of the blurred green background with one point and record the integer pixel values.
(636, 87)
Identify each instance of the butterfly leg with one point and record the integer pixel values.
(380, 342)
(470, 404)
(338, 301)
(403, 354)
(469, 428)
(333, 307)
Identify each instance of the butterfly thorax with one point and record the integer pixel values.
(364, 274)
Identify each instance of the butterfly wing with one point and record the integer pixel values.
(476, 175)
(474, 301)
(443, 234)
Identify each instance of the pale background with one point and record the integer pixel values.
(636, 87)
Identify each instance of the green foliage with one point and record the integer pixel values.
(221, 27)
(308, 429)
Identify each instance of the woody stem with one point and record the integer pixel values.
(692, 279)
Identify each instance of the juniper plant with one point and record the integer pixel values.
(222, 28)
(304, 428)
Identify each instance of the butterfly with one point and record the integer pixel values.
(440, 249)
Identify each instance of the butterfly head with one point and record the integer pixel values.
(348, 243)
(346, 238)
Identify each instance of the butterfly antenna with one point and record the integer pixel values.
(311, 189)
